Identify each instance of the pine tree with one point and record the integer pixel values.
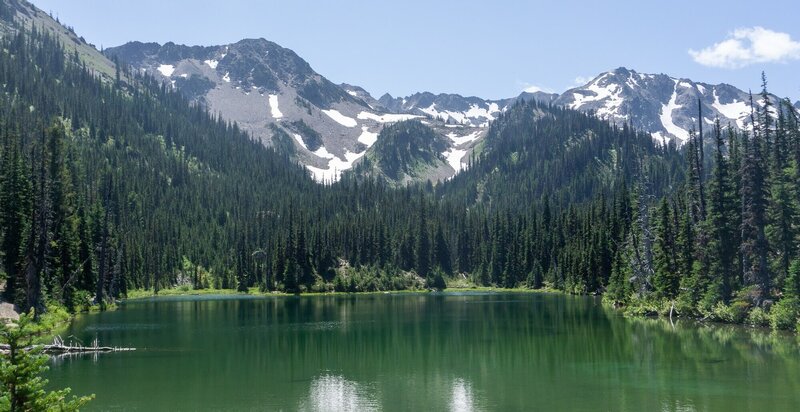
(754, 245)
(689, 293)
(65, 238)
(15, 213)
(722, 251)
(422, 244)
(782, 213)
(665, 276)
(441, 252)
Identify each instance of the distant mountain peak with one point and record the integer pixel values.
(665, 106)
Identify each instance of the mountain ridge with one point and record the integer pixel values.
(266, 88)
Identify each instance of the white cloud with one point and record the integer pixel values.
(747, 46)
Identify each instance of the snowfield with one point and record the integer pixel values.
(211, 63)
(166, 69)
(340, 118)
(367, 137)
(273, 107)
(734, 110)
(335, 167)
(300, 141)
(454, 157)
(666, 117)
(460, 140)
(659, 137)
(470, 116)
(323, 153)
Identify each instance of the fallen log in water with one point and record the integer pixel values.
(59, 347)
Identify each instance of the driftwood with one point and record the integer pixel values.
(59, 347)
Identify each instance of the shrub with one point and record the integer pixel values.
(436, 281)
(758, 317)
(783, 314)
(734, 313)
(82, 300)
(643, 307)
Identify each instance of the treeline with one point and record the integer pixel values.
(726, 245)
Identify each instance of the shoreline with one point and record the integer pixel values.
(621, 310)
(57, 319)
(254, 292)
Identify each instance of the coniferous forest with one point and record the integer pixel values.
(109, 185)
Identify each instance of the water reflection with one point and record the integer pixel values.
(461, 397)
(333, 393)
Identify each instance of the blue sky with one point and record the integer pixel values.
(491, 49)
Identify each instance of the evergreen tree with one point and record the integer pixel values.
(721, 227)
(422, 245)
(754, 245)
(15, 212)
(665, 276)
(23, 388)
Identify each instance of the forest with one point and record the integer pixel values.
(111, 185)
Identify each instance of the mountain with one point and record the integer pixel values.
(664, 106)
(406, 152)
(277, 97)
(534, 150)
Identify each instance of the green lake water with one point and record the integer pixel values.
(422, 352)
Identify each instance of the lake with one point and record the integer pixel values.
(422, 352)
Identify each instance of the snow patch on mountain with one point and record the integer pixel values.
(166, 69)
(323, 153)
(486, 113)
(300, 141)
(273, 107)
(735, 110)
(461, 140)
(367, 137)
(659, 137)
(474, 112)
(666, 117)
(340, 118)
(335, 167)
(212, 63)
(464, 117)
(453, 157)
